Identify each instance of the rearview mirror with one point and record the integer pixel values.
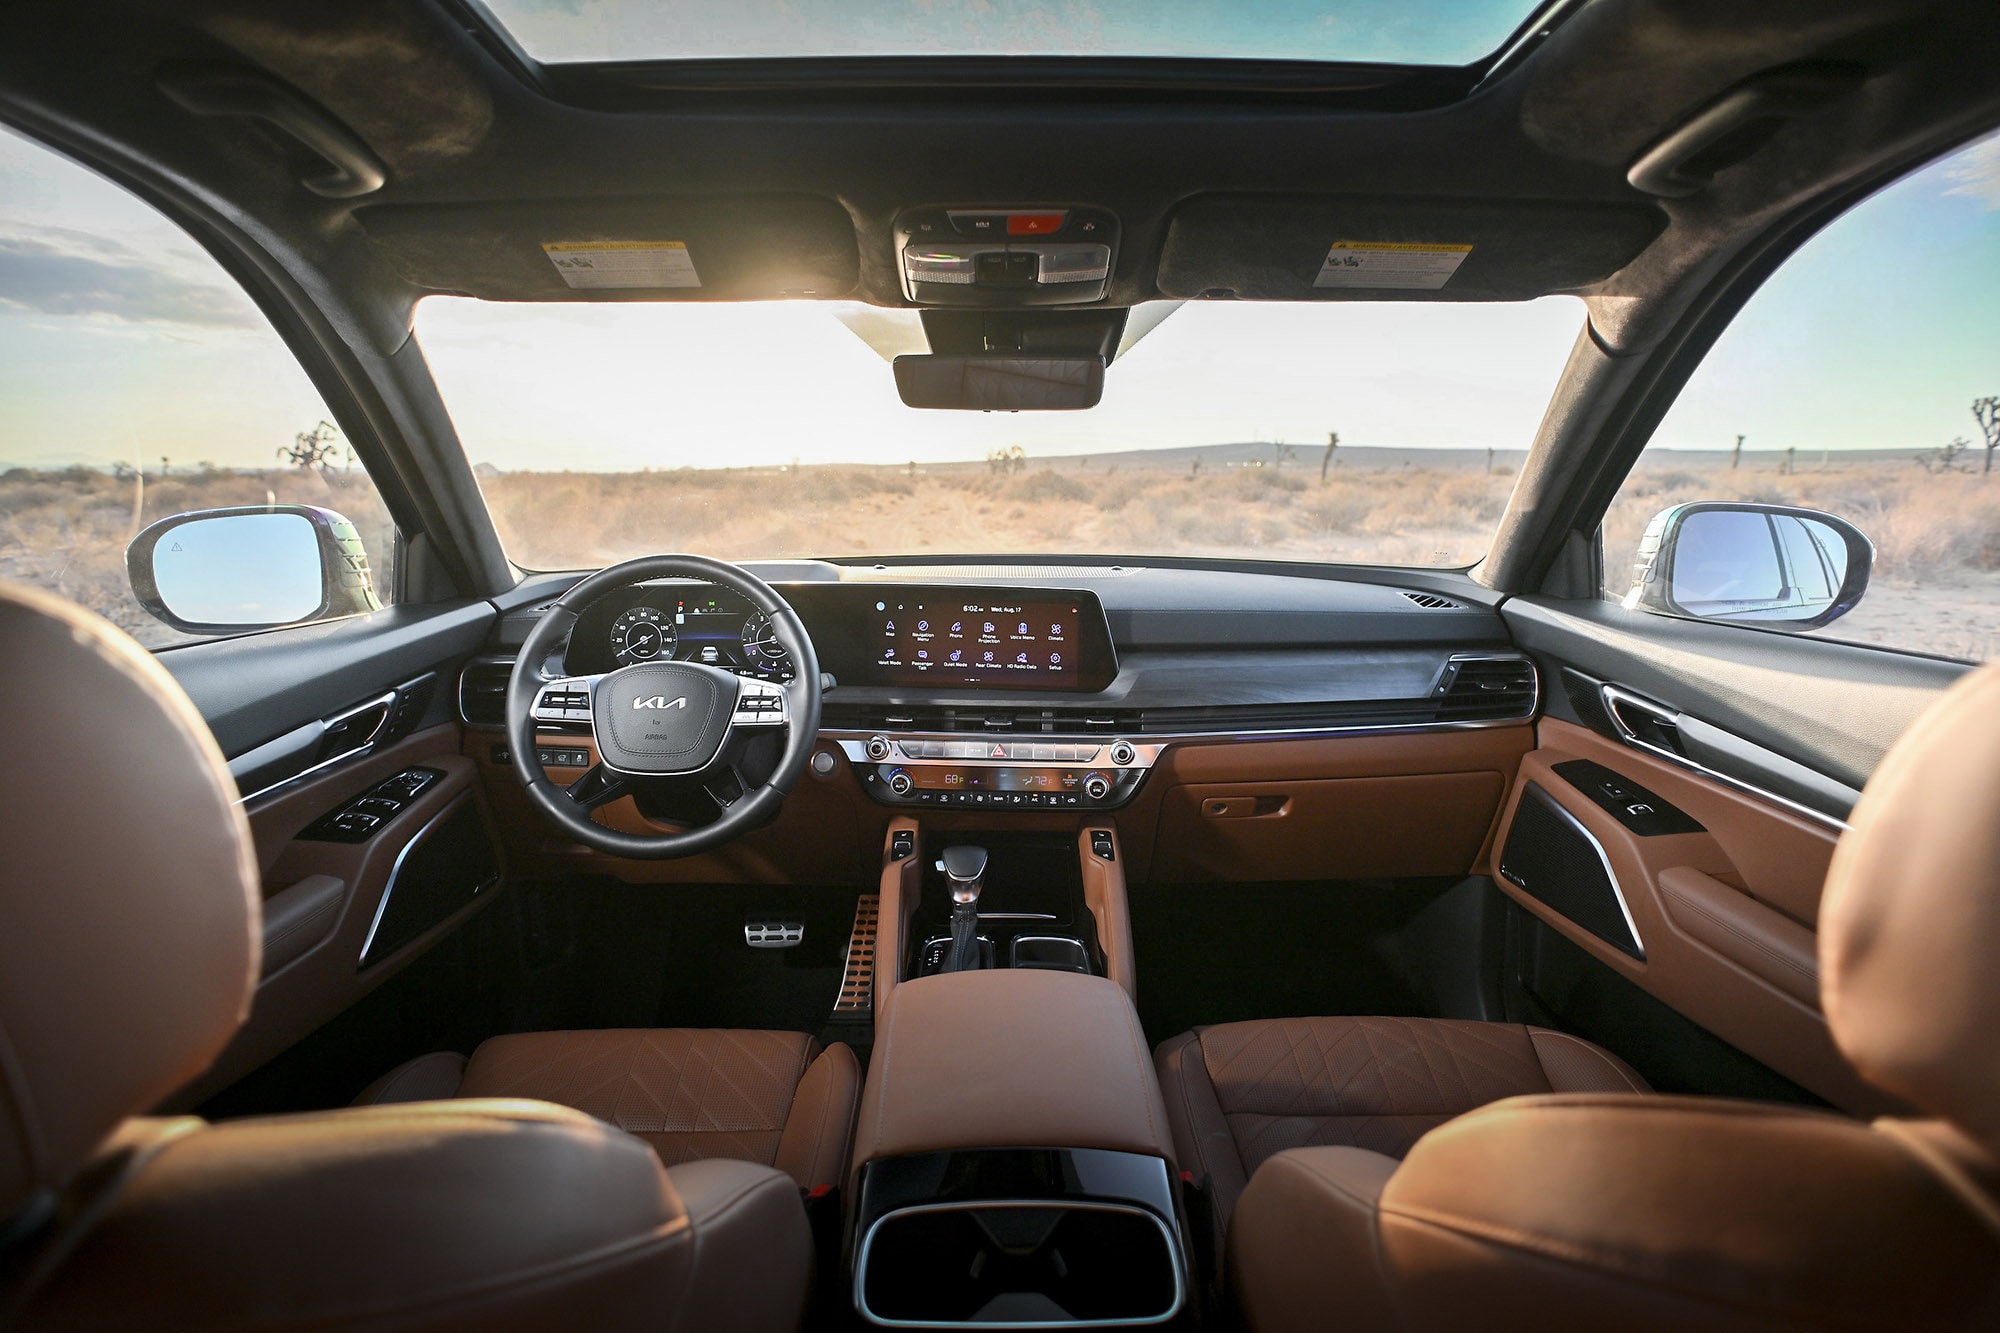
(1751, 564)
(999, 383)
(258, 567)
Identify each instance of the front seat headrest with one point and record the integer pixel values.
(1910, 918)
(129, 903)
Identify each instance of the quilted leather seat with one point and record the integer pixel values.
(774, 1098)
(1239, 1093)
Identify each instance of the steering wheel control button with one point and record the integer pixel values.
(566, 700)
(759, 703)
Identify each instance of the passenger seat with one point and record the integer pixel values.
(774, 1098)
(1239, 1093)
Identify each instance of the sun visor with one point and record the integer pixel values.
(1318, 247)
(731, 248)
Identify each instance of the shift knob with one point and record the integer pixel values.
(965, 870)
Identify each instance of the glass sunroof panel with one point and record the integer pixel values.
(1415, 32)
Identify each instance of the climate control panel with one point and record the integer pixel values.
(1056, 773)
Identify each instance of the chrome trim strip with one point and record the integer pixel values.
(1615, 694)
(1042, 1205)
(1603, 858)
(396, 871)
(387, 703)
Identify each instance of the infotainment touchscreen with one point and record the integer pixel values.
(962, 641)
(958, 636)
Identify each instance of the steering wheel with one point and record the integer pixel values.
(664, 720)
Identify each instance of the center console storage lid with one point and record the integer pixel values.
(1010, 1059)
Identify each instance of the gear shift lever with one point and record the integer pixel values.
(965, 871)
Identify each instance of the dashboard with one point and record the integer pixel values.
(1064, 686)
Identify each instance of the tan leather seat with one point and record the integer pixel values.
(690, 1093)
(1640, 1213)
(129, 942)
(1238, 1093)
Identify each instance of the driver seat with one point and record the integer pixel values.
(130, 935)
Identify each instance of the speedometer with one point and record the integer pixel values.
(761, 648)
(643, 634)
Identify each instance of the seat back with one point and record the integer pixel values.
(129, 942)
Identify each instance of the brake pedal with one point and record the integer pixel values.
(765, 932)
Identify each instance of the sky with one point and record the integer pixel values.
(1403, 31)
(121, 341)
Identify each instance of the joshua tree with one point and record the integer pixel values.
(1326, 461)
(312, 450)
(1986, 411)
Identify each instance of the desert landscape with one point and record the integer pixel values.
(1936, 526)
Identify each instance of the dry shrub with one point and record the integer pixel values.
(1049, 485)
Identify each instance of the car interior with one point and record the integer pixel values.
(1060, 936)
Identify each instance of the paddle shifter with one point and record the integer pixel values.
(965, 871)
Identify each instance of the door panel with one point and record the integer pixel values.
(323, 898)
(1723, 915)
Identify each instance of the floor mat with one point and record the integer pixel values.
(1218, 953)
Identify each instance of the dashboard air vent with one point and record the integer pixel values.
(1430, 601)
(482, 692)
(1485, 688)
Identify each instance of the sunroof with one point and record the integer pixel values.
(1410, 32)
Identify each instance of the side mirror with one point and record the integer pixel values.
(1751, 564)
(215, 571)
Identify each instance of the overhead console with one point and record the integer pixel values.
(1012, 256)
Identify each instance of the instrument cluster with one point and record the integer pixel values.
(684, 622)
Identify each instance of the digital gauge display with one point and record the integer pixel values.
(642, 634)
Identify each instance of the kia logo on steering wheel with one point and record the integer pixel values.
(659, 702)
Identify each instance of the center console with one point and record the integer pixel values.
(1013, 1161)
(1013, 1166)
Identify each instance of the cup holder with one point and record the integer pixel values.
(1004, 1264)
(1054, 953)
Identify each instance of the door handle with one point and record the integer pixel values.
(1245, 807)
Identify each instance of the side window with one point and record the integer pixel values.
(138, 384)
(1860, 386)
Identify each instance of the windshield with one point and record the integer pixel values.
(1346, 432)
(1398, 31)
